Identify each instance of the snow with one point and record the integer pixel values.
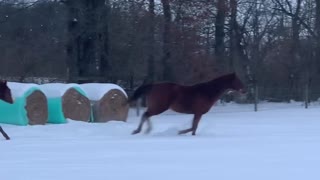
(95, 91)
(53, 90)
(280, 141)
(18, 89)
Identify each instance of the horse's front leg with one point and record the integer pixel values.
(185, 131)
(194, 127)
(5, 135)
(195, 124)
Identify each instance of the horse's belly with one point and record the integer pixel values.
(181, 108)
(192, 106)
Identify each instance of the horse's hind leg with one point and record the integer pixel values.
(154, 108)
(143, 119)
(195, 124)
(4, 133)
(185, 131)
(149, 128)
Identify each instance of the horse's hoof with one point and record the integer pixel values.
(147, 131)
(184, 131)
(135, 132)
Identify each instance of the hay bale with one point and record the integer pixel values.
(75, 105)
(108, 100)
(37, 108)
(29, 107)
(66, 101)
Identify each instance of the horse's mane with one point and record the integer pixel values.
(3, 84)
(220, 79)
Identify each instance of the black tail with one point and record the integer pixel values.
(139, 92)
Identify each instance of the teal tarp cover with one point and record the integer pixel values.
(16, 113)
(55, 108)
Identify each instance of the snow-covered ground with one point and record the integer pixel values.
(279, 142)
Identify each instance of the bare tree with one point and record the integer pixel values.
(317, 29)
(88, 39)
(219, 32)
(73, 44)
(166, 48)
(151, 41)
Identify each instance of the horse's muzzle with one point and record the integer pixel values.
(10, 101)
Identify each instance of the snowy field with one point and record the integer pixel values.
(279, 142)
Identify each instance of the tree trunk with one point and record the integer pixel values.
(103, 40)
(295, 33)
(87, 49)
(317, 32)
(151, 41)
(239, 61)
(166, 49)
(233, 35)
(73, 40)
(294, 49)
(93, 37)
(219, 33)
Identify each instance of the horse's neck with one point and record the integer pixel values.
(216, 88)
(219, 84)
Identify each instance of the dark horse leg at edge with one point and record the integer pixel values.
(5, 95)
(196, 99)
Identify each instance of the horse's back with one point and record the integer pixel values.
(163, 89)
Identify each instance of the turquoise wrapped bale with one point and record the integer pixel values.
(29, 107)
(66, 101)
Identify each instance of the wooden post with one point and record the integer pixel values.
(256, 97)
(306, 96)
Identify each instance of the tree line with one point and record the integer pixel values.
(270, 43)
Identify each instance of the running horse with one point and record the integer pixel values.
(5, 95)
(196, 99)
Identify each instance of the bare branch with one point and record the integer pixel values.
(288, 3)
(285, 11)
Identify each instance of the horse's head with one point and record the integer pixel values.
(236, 84)
(5, 92)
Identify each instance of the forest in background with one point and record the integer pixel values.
(273, 44)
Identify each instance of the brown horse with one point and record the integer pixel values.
(5, 95)
(196, 99)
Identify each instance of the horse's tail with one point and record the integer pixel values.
(140, 91)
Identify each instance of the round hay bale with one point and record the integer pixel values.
(29, 107)
(109, 101)
(110, 107)
(37, 108)
(75, 105)
(66, 101)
